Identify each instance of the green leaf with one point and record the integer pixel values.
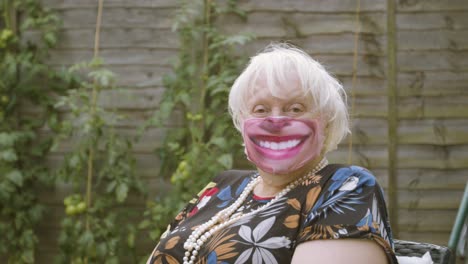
(111, 186)
(50, 38)
(8, 155)
(144, 224)
(154, 234)
(131, 240)
(28, 256)
(86, 239)
(16, 177)
(165, 109)
(121, 192)
(74, 161)
(225, 160)
(7, 139)
(101, 250)
(219, 142)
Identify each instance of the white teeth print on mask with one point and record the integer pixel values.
(279, 145)
(282, 144)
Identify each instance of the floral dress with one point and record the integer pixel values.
(337, 203)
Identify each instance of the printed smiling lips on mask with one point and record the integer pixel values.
(281, 144)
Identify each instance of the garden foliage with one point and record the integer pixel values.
(206, 143)
(27, 116)
(100, 170)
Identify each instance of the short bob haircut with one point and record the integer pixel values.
(273, 64)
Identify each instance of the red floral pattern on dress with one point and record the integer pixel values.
(205, 197)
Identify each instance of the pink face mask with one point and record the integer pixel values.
(281, 145)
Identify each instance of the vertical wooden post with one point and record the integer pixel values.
(392, 116)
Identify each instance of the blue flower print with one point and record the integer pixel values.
(374, 221)
(343, 193)
(367, 220)
(343, 176)
(213, 259)
(225, 194)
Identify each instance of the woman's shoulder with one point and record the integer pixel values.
(348, 177)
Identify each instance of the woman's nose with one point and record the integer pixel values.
(276, 112)
(275, 124)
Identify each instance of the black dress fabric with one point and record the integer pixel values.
(339, 202)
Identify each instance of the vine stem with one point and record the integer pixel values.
(6, 14)
(92, 116)
(205, 63)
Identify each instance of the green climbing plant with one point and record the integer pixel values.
(100, 170)
(27, 91)
(206, 142)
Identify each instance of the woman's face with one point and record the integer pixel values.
(281, 133)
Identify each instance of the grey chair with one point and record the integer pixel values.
(439, 254)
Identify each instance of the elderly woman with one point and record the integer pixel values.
(295, 208)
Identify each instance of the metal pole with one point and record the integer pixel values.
(459, 221)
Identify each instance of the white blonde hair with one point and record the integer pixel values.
(274, 64)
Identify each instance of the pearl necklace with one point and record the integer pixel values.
(225, 217)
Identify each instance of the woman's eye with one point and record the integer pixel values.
(296, 108)
(259, 109)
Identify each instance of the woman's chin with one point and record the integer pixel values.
(283, 166)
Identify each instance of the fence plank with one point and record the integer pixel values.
(414, 61)
(433, 107)
(432, 179)
(429, 199)
(148, 142)
(433, 131)
(439, 83)
(451, 40)
(70, 4)
(131, 56)
(371, 157)
(454, 20)
(433, 157)
(327, 43)
(431, 5)
(137, 76)
(133, 99)
(266, 24)
(312, 6)
(118, 17)
(119, 38)
(426, 220)
(365, 86)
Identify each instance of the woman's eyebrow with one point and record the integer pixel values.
(300, 99)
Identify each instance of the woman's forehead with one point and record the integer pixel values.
(284, 92)
(282, 85)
